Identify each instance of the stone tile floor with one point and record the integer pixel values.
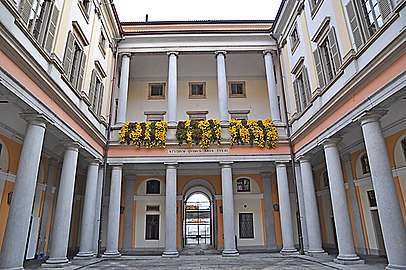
(265, 261)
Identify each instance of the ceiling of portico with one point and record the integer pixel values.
(151, 66)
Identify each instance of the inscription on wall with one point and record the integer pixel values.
(198, 151)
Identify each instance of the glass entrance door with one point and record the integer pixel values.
(197, 222)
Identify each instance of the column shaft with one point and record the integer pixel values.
(113, 220)
(63, 211)
(170, 211)
(172, 88)
(222, 86)
(268, 212)
(302, 210)
(86, 235)
(346, 249)
(98, 208)
(128, 214)
(270, 79)
(288, 244)
(390, 215)
(19, 216)
(123, 93)
(228, 210)
(310, 202)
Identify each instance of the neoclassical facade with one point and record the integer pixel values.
(98, 156)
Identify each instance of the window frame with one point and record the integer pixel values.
(156, 97)
(294, 39)
(244, 90)
(192, 96)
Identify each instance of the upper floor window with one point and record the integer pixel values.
(243, 185)
(365, 164)
(74, 61)
(327, 58)
(40, 17)
(237, 90)
(153, 187)
(301, 87)
(314, 5)
(294, 39)
(85, 6)
(96, 92)
(366, 17)
(156, 91)
(197, 90)
(102, 42)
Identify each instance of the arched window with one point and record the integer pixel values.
(243, 185)
(365, 164)
(403, 143)
(153, 187)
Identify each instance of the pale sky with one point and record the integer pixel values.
(189, 10)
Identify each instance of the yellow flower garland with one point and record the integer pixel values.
(202, 133)
(148, 134)
(261, 132)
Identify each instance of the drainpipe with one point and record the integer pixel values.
(106, 148)
(292, 154)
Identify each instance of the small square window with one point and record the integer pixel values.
(156, 91)
(243, 185)
(197, 90)
(152, 208)
(237, 89)
(153, 187)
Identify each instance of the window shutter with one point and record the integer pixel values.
(355, 25)
(319, 67)
(92, 88)
(306, 85)
(296, 91)
(41, 24)
(81, 71)
(50, 35)
(25, 9)
(100, 101)
(385, 7)
(67, 59)
(335, 51)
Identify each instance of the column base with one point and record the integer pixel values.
(349, 262)
(316, 252)
(56, 263)
(170, 254)
(111, 254)
(14, 268)
(289, 251)
(230, 253)
(395, 267)
(84, 256)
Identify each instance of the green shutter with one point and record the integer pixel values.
(50, 35)
(297, 94)
(81, 71)
(385, 7)
(100, 101)
(335, 51)
(306, 86)
(355, 25)
(319, 67)
(25, 9)
(92, 88)
(69, 50)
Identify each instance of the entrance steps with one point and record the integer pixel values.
(199, 250)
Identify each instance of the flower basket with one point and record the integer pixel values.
(148, 134)
(262, 133)
(202, 133)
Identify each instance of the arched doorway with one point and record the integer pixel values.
(197, 222)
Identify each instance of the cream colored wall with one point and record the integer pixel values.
(342, 28)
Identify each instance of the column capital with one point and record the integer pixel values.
(116, 165)
(330, 142)
(371, 116)
(37, 119)
(268, 51)
(126, 54)
(220, 52)
(346, 157)
(226, 164)
(305, 158)
(94, 161)
(72, 146)
(173, 53)
(280, 164)
(171, 165)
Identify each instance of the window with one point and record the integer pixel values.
(325, 179)
(153, 187)
(371, 198)
(197, 115)
(197, 90)
(327, 58)
(236, 89)
(403, 143)
(40, 17)
(156, 91)
(96, 93)
(366, 17)
(152, 227)
(301, 87)
(102, 43)
(243, 185)
(314, 5)
(365, 164)
(74, 61)
(85, 7)
(246, 222)
(294, 39)
(152, 208)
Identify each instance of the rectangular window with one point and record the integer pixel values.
(246, 224)
(301, 87)
(102, 43)
(371, 198)
(152, 208)
(243, 185)
(237, 89)
(365, 164)
(197, 90)
(152, 227)
(314, 5)
(325, 179)
(74, 61)
(96, 93)
(294, 39)
(156, 91)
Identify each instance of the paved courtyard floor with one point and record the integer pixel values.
(244, 261)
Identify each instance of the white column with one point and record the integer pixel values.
(113, 219)
(228, 210)
(172, 88)
(271, 83)
(346, 249)
(361, 248)
(222, 86)
(19, 216)
(98, 208)
(63, 211)
(86, 235)
(390, 215)
(302, 210)
(310, 202)
(170, 211)
(128, 213)
(46, 206)
(288, 244)
(123, 93)
(268, 212)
